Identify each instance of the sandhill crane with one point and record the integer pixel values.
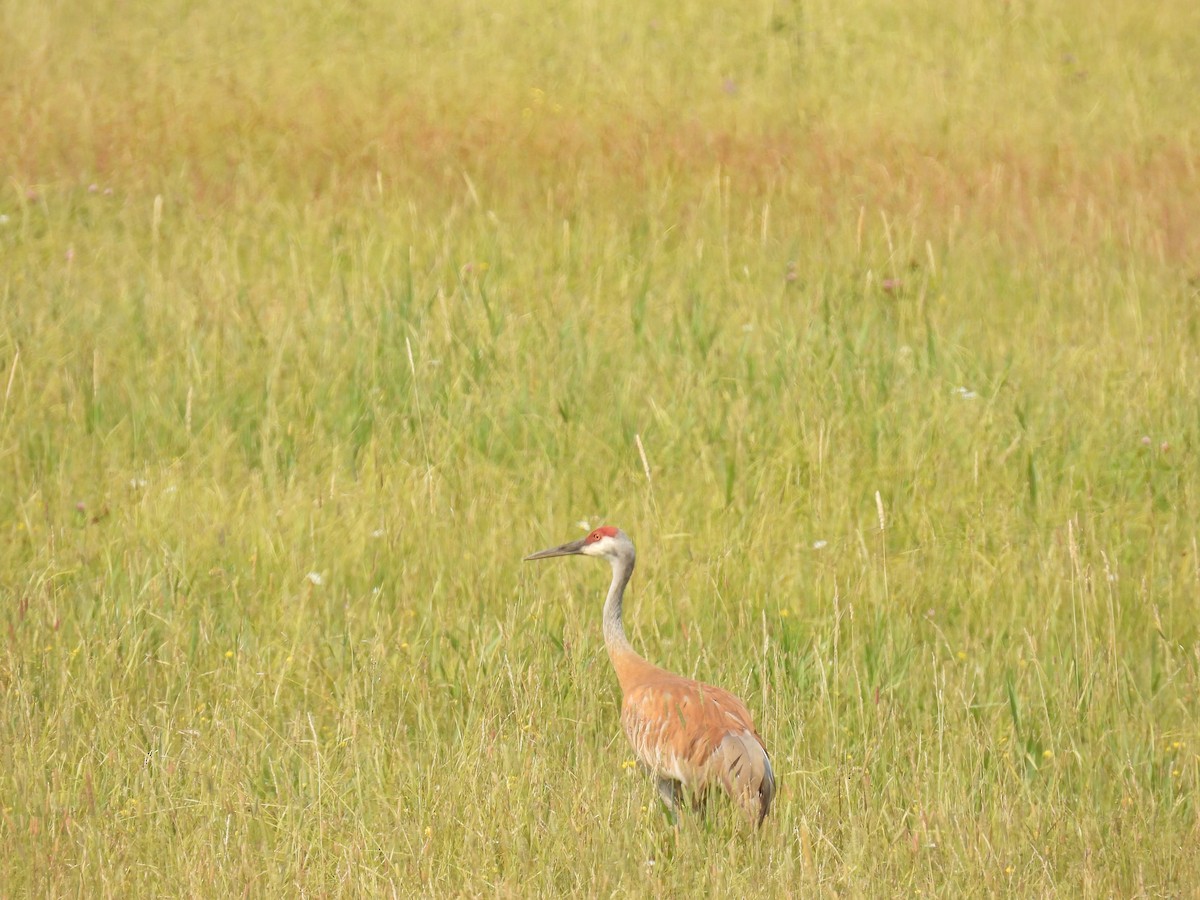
(691, 736)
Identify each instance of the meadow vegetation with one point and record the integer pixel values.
(315, 317)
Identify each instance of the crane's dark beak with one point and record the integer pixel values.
(570, 549)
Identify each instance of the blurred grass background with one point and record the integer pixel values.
(315, 318)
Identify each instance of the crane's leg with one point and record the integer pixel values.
(669, 790)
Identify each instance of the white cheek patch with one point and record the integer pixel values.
(599, 548)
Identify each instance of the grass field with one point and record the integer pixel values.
(316, 318)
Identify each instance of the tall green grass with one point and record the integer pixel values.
(316, 318)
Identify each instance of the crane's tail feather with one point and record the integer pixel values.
(746, 774)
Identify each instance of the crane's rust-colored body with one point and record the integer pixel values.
(691, 736)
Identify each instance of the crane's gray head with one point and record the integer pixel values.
(606, 542)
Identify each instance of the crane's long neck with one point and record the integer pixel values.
(614, 627)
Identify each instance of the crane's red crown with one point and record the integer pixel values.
(602, 532)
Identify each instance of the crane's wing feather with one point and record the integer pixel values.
(746, 774)
(700, 736)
